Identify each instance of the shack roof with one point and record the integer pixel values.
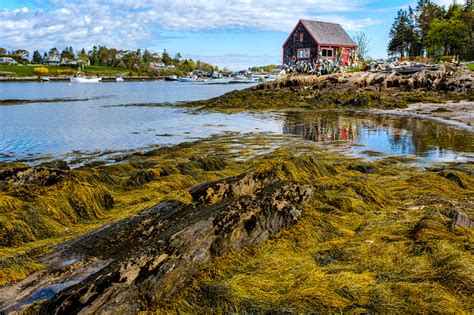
(327, 33)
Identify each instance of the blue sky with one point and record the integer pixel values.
(230, 33)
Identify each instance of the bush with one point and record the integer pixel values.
(41, 71)
(66, 72)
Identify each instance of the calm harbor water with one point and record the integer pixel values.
(98, 124)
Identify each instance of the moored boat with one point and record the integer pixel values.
(171, 78)
(85, 80)
(191, 79)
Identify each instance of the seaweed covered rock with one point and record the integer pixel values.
(360, 89)
(141, 177)
(142, 260)
(38, 202)
(444, 78)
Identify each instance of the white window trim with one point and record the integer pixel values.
(307, 56)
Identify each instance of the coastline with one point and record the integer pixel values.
(67, 78)
(363, 230)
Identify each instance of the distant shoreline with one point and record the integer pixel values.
(67, 78)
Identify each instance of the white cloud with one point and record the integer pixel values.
(447, 2)
(136, 23)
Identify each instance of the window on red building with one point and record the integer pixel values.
(303, 53)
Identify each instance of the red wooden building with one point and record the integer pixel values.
(312, 40)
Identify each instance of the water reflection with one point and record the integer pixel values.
(391, 135)
(57, 129)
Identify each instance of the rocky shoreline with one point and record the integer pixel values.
(358, 90)
(298, 201)
(250, 223)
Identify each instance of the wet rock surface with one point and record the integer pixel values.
(139, 261)
(44, 174)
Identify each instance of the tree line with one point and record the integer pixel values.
(111, 57)
(432, 30)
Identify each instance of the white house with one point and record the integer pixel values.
(52, 60)
(8, 61)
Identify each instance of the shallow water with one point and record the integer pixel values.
(97, 124)
(62, 127)
(401, 135)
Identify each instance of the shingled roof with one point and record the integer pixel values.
(328, 33)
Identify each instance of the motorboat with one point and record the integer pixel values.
(119, 79)
(241, 78)
(191, 79)
(171, 78)
(85, 80)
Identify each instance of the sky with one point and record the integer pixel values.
(229, 33)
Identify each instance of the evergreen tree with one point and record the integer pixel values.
(413, 35)
(401, 35)
(426, 11)
(67, 54)
(147, 57)
(36, 57)
(166, 58)
(94, 59)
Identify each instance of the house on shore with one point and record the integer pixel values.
(52, 60)
(8, 61)
(311, 41)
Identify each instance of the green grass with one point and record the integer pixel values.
(471, 66)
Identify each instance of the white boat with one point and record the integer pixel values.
(257, 78)
(241, 78)
(119, 79)
(191, 79)
(85, 80)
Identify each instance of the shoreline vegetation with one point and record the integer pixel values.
(100, 61)
(25, 73)
(321, 232)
